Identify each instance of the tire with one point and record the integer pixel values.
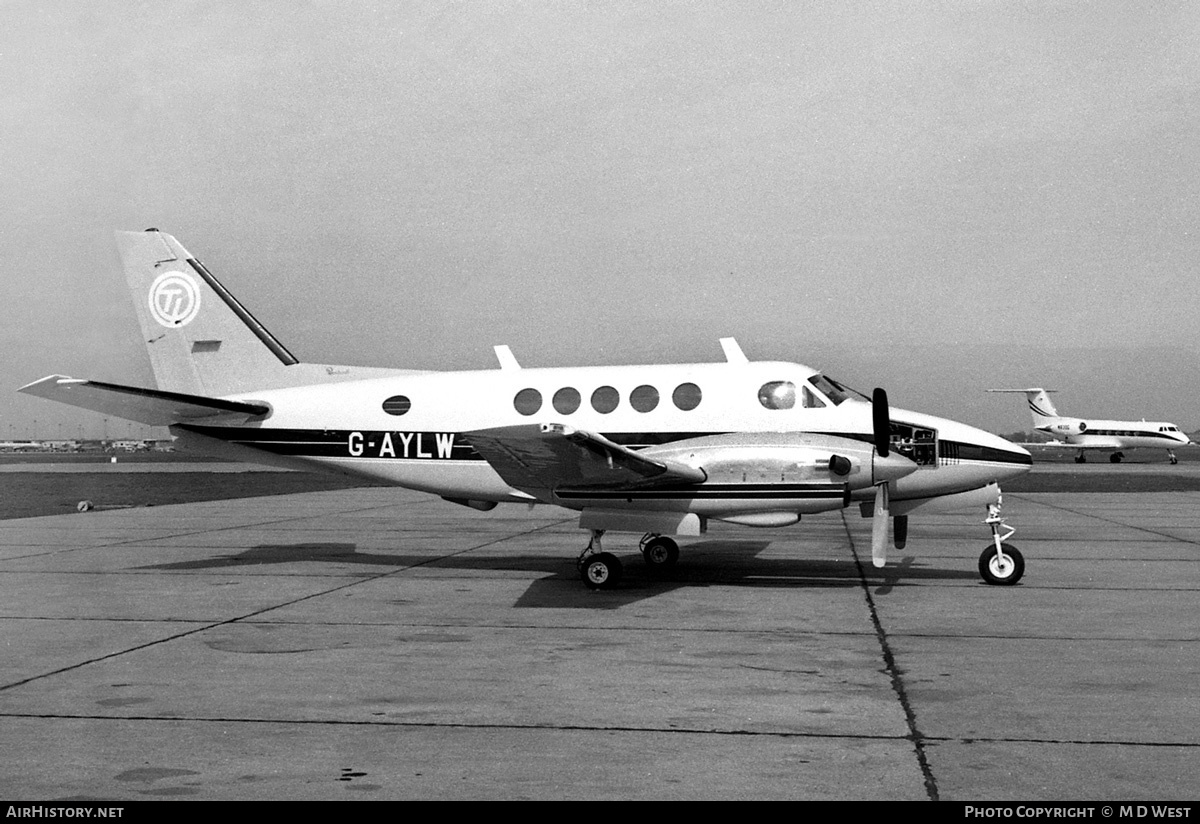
(996, 574)
(601, 571)
(660, 553)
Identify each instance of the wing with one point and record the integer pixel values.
(539, 458)
(148, 406)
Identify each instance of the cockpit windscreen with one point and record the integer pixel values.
(835, 391)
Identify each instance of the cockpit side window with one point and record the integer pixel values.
(777, 395)
(833, 390)
(810, 399)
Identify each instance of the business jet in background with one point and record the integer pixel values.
(660, 449)
(1090, 433)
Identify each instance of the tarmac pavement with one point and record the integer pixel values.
(384, 644)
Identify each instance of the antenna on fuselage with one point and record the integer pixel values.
(507, 359)
(733, 352)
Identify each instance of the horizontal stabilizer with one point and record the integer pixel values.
(149, 406)
(549, 456)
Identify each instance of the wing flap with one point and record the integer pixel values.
(149, 406)
(550, 456)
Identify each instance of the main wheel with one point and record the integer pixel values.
(1115, 457)
(601, 571)
(660, 553)
(1004, 572)
(1080, 459)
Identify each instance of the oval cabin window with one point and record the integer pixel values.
(686, 396)
(528, 401)
(605, 399)
(644, 398)
(566, 400)
(397, 405)
(777, 395)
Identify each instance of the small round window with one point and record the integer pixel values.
(605, 399)
(566, 400)
(686, 396)
(644, 398)
(778, 395)
(397, 405)
(528, 401)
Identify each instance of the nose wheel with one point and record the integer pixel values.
(1000, 564)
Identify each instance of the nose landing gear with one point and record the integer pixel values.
(1000, 564)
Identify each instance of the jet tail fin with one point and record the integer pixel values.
(1040, 406)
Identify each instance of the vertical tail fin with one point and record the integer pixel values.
(200, 339)
(1040, 406)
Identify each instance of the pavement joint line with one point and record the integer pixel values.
(326, 722)
(1086, 514)
(789, 633)
(914, 736)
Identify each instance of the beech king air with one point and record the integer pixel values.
(1108, 436)
(658, 449)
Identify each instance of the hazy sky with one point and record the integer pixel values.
(934, 197)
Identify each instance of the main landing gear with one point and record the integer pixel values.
(599, 570)
(603, 570)
(1000, 564)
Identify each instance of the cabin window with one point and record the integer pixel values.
(686, 396)
(397, 405)
(644, 398)
(566, 400)
(528, 401)
(777, 395)
(605, 399)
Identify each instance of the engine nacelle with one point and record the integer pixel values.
(784, 457)
(1069, 427)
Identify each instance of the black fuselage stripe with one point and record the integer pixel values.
(335, 443)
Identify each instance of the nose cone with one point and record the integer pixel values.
(1004, 458)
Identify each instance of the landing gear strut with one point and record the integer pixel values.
(1171, 457)
(1000, 564)
(599, 570)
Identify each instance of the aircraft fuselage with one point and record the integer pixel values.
(409, 430)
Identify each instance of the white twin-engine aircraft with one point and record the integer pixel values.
(1108, 436)
(659, 449)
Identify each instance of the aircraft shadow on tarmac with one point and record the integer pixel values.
(706, 563)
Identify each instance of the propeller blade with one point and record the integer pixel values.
(882, 420)
(879, 527)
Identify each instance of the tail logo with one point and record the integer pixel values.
(174, 299)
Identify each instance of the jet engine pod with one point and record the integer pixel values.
(1071, 427)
